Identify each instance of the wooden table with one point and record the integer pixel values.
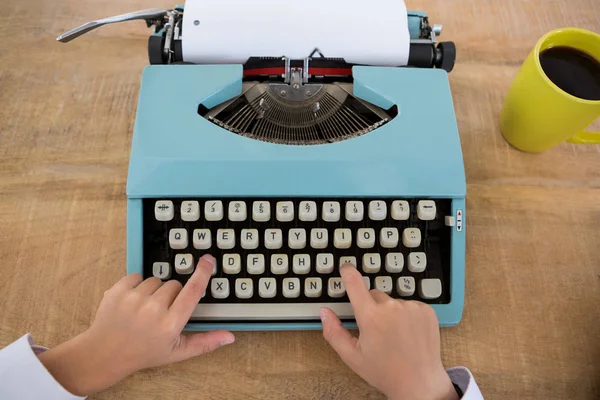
(531, 327)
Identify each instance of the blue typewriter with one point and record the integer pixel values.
(285, 169)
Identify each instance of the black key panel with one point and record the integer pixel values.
(435, 242)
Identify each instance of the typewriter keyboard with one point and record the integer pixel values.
(279, 259)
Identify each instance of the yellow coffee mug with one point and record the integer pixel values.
(537, 114)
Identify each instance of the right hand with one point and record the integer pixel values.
(398, 350)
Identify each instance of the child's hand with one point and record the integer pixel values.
(398, 350)
(138, 325)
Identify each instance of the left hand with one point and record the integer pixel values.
(138, 325)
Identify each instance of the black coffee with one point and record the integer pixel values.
(572, 70)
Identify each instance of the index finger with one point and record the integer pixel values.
(357, 291)
(187, 300)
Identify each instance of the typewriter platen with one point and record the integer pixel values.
(284, 169)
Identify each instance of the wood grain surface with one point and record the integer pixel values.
(531, 326)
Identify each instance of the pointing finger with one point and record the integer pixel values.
(357, 291)
(187, 300)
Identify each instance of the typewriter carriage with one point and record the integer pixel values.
(292, 102)
(301, 102)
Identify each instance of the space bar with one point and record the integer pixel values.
(275, 311)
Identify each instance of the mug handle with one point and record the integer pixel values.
(585, 138)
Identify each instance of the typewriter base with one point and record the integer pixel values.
(177, 153)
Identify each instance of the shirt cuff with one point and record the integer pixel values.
(23, 375)
(463, 378)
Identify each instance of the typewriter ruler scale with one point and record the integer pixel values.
(286, 167)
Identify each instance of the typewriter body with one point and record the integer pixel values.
(285, 169)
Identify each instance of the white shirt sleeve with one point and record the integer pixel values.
(463, 378)
(24, 377)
